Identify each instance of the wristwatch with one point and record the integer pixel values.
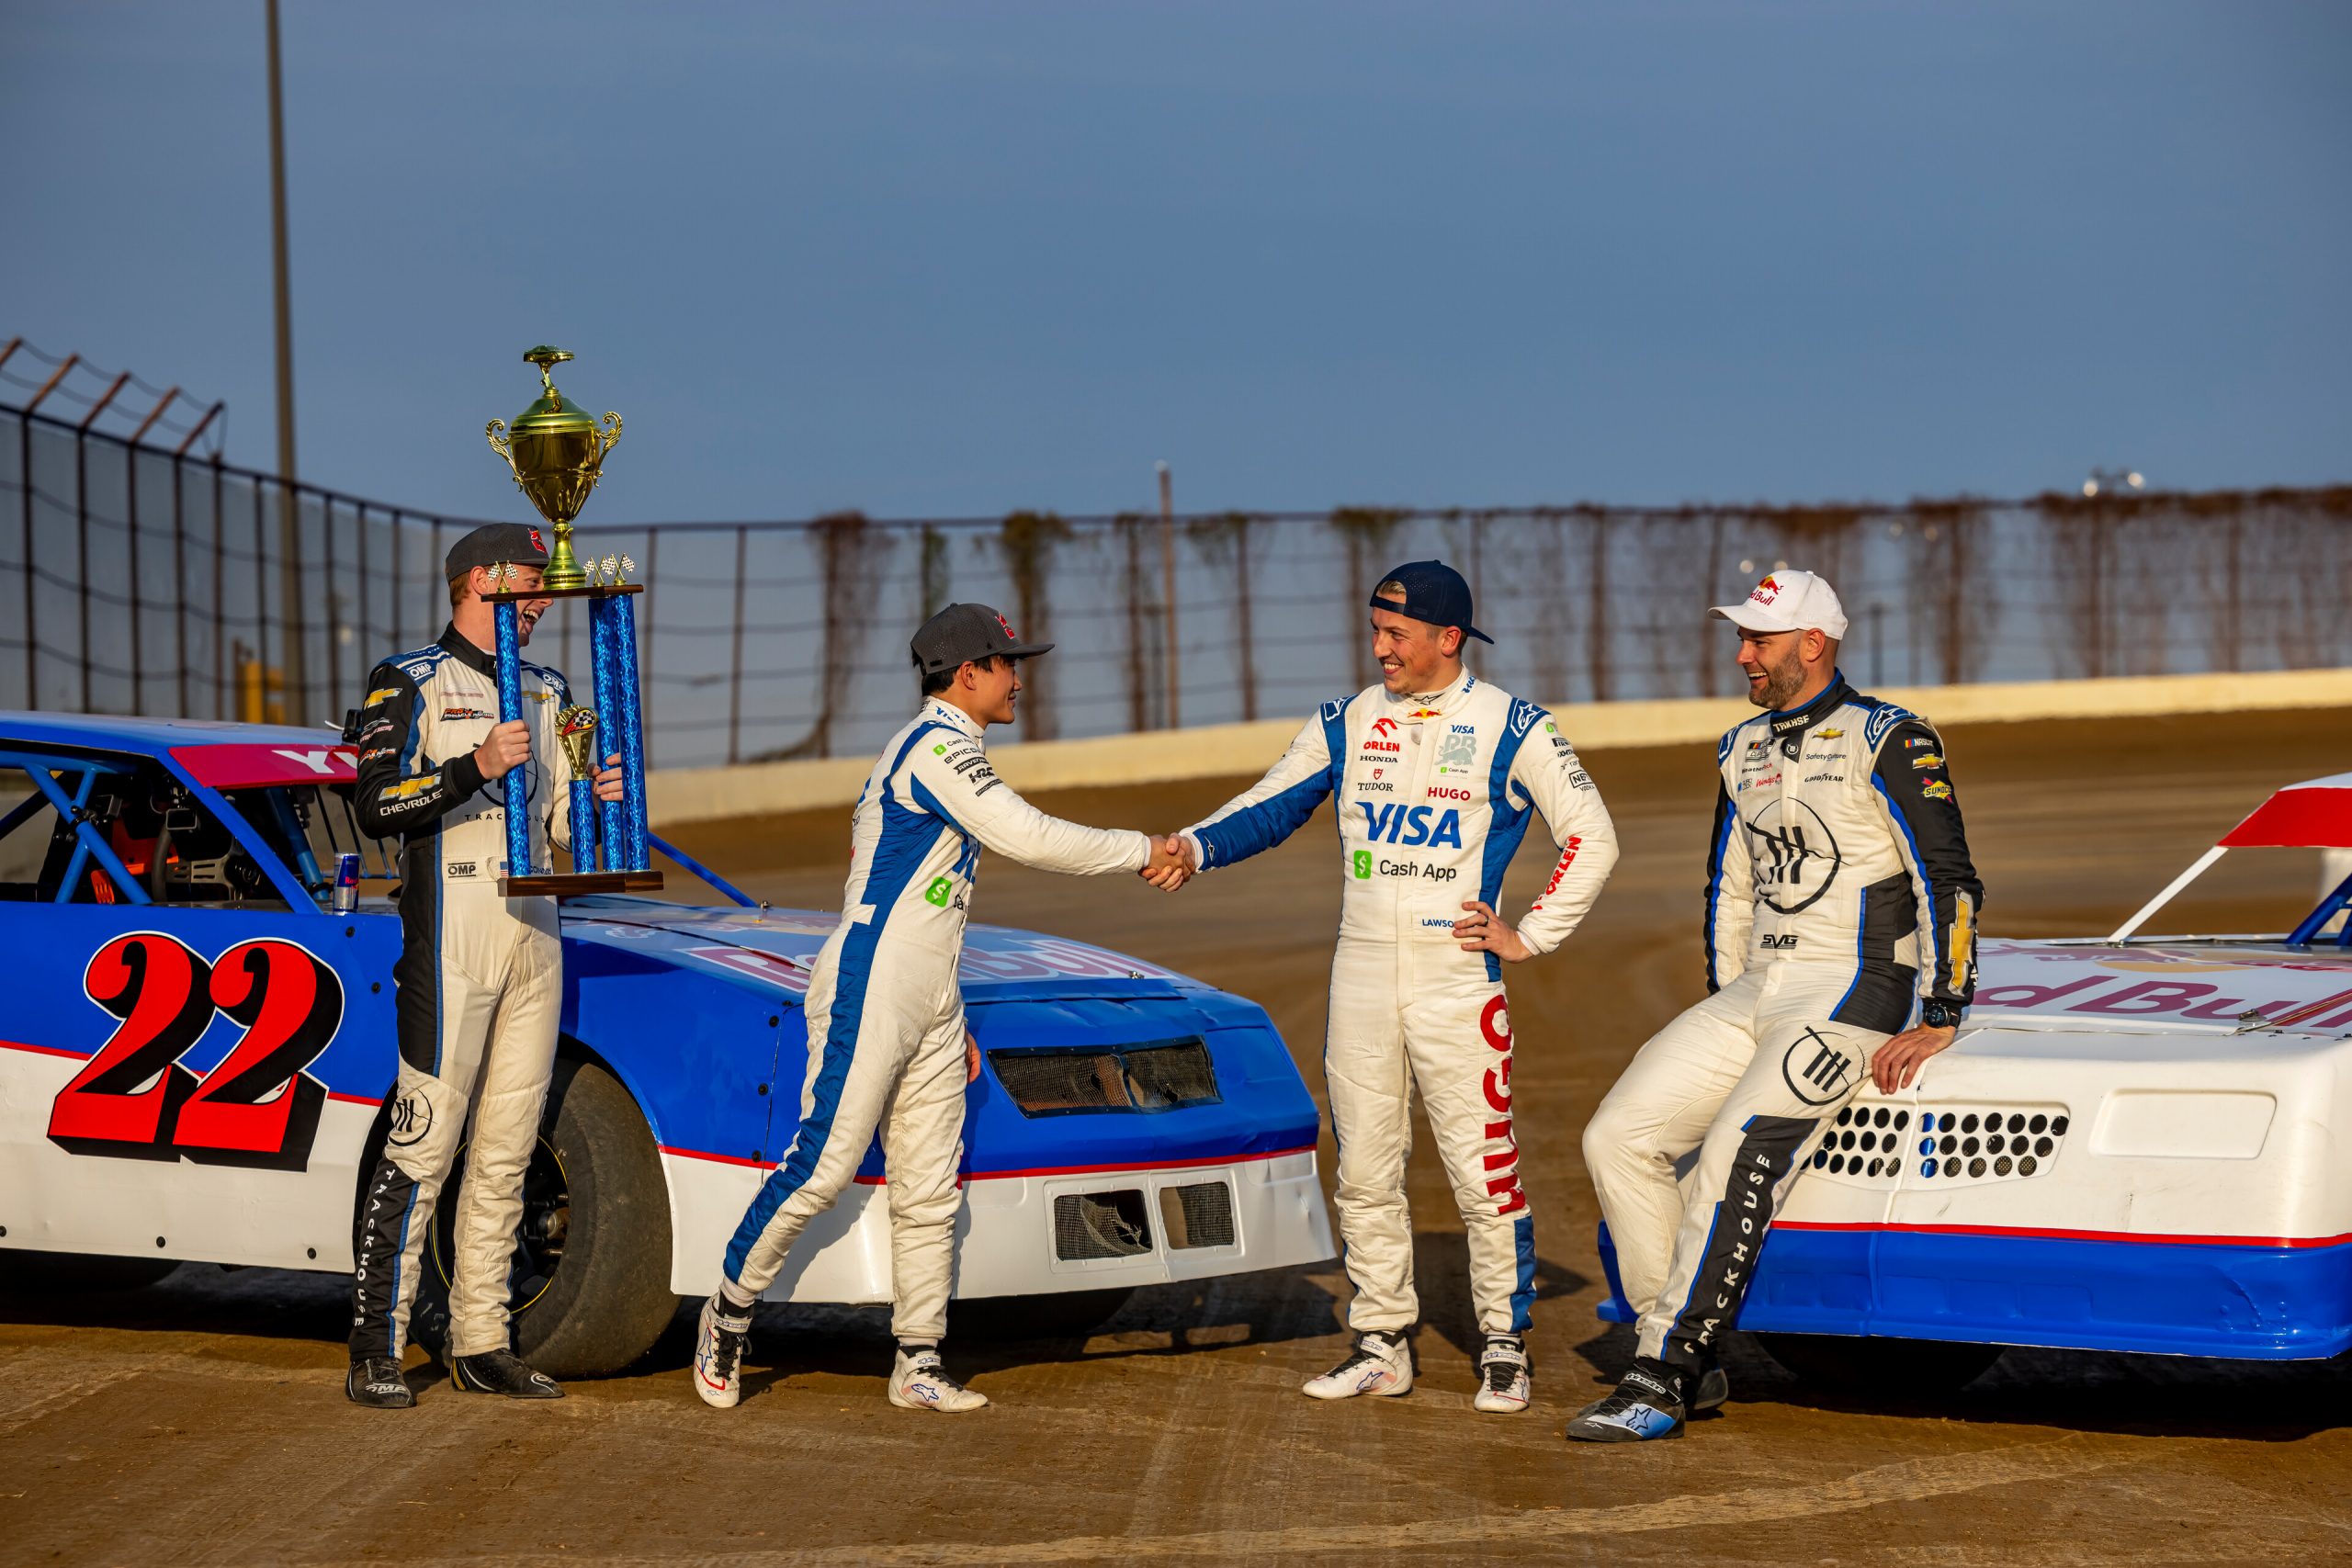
(1939, 1014)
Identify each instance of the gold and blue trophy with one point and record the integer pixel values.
(557, 453)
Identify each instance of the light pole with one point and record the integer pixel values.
(289, 544)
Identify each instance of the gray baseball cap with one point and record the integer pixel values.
(493, 543)
(967, 632)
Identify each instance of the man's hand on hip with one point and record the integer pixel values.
(505, 746)
(1482, 930)
(1899, 1060)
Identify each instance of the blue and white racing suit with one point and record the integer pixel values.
(1433, 794)
(1840, 894)
(886, 1020)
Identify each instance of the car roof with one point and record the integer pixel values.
(150, 735)
(210, 751)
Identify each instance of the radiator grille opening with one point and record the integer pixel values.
(1197, 1215)
(1119, 1078)
(1100, 1225)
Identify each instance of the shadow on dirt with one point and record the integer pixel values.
(2074, 1390)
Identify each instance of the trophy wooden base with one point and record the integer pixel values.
(568, 884)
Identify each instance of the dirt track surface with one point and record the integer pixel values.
(202, 1420)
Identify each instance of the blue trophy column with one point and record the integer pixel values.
(510, 709)
(583, 824)
(607, 656)
(632, 735)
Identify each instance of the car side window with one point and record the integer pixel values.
(87, 827)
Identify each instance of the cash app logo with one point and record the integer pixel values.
(1363, 865)
(937, 891)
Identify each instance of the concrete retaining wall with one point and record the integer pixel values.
(699, 794)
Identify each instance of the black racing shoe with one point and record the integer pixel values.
(1647, 1405)
(376, 1382)
(501, 1372)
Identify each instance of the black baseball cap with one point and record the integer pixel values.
(963, 633)
(518, 543)
(1435, 592)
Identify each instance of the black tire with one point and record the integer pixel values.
(26, 1274)
(1061, 1314)
(592, 1266)
(1885, 1369)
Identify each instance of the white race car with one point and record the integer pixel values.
(2133, 1146)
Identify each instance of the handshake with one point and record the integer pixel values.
(1171, 864)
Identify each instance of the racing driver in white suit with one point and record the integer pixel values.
(1840, 896)
(480, 981)
(1434, 773)
(888, 1048)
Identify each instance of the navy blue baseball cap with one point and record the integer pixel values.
(1435, 592)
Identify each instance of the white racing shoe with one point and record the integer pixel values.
(719, 1353)
(1505, 1385)
(1379, 1364)
(918, 1381)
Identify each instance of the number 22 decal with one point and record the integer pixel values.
(258, 1107)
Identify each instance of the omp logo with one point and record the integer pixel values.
(1411, 824)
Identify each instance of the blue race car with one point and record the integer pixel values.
(196, 1049)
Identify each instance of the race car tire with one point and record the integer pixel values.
(1881, 1367)
(1059, 1314)
(609, 1298)
(78, 1274)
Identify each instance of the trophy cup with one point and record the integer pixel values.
(557, 453)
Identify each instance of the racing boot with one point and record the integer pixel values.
(1648, 1403)
(501, 1372)
(918, 1381)
(375, 1381)
(1504, 1385)
(719, 1352)
(1379, 1364)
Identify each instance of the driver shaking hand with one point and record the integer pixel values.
(480, 980)
(1435, 774)
(1840, 895)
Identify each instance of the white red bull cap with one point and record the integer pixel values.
(1789, 602)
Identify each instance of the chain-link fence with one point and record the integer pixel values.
(134, 580)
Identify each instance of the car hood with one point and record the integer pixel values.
(775, 949)
(2194, 987)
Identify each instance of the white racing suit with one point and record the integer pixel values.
(886, 1019)
(1839, 885)
(1433, 794)
(480, 978)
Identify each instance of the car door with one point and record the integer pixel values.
(195, 1048)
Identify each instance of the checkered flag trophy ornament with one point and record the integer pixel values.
(556, 452)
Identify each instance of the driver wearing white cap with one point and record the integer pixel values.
(1840, 897)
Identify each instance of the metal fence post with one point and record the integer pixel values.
(219, 604)
(735, 681)
(1248, 628)
(1167, 574)
(179, 580)
(130, 517)
(32, 638)
(334, 616)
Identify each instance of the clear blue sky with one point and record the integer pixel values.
(961, 258)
